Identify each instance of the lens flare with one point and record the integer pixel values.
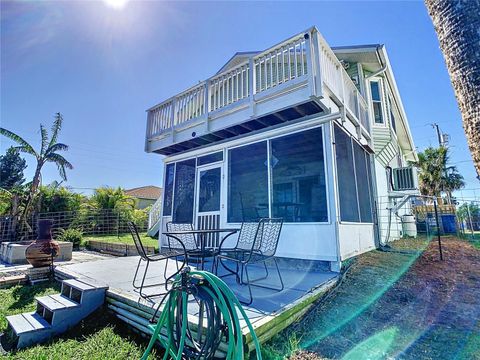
(116, 4)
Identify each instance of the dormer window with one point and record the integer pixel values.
(377, 102)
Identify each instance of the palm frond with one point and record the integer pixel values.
(61, 163)
(26, 149)
(56, 127)
(23, 145)
(56, 147)
(62, 171)
(44, 134)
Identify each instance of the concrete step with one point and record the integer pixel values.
(27, 322)
(76, 289)
(55, 314)
(56, 302)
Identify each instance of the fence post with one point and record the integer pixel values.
(438, 229)
(118, 225)
(470, 220)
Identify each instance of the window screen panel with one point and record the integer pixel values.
(248, 183)
(184, 192)
(298, 177)
(363, 187)
(168, 190)
(347, 191)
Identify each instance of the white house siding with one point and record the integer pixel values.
(355, 239)
(308, 241)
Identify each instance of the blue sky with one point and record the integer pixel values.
(101, 67)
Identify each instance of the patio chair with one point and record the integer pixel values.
(164, 254)
(192, 246)
(257, 243)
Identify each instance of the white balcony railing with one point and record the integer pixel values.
(303, 59)
(229, 87)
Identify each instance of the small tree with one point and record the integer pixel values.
(11, 169)
(48, 153)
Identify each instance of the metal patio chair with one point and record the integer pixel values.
(164, 254)
(257, 243)
(192, 245)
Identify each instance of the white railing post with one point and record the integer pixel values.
(316, 63)
(173, 117)
(310, 67)
(206, 102)
(251, 83)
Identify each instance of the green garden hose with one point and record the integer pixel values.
(217, 320)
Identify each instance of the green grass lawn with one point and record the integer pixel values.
(123, 238)
(100, 336)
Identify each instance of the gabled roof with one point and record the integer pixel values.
(374, 58)
(236, 59)
(145, 192)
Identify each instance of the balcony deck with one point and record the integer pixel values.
(296, 78)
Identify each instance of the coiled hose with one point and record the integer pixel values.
(217, 319)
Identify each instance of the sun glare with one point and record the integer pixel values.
(116, 4)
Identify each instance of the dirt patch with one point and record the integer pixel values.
(400, 304)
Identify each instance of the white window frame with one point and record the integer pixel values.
(381, 90)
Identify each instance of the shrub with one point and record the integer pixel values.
(140, 218)
(71, 235)
(53, 198)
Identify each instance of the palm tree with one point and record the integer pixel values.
(431, 167)
(48, 153)
(452, 181)
(456, 23)
(435, 175)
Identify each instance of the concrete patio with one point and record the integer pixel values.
(270, 311)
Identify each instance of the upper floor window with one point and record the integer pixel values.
(377, 102)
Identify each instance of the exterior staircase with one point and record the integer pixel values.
(54, 315)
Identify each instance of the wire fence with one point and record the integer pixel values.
(89, 221)
(413, 215)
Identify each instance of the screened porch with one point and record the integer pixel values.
(310, 176)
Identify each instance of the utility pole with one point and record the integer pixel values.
(439, 134)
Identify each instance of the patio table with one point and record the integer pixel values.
(202, 236)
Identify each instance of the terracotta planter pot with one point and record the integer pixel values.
(43, 250)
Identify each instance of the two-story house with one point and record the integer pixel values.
(301, 131)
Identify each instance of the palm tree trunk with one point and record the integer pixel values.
(456, 23)
(33, 189)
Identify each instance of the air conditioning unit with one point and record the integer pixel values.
(404, 179)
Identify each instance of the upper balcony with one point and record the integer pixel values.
(298, 77)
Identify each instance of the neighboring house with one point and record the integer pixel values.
(145, 195)
(301, 131)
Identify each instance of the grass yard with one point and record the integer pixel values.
(123, 238)
(402, 304)
(100, 336)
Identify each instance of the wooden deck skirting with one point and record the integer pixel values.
(137, 313)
